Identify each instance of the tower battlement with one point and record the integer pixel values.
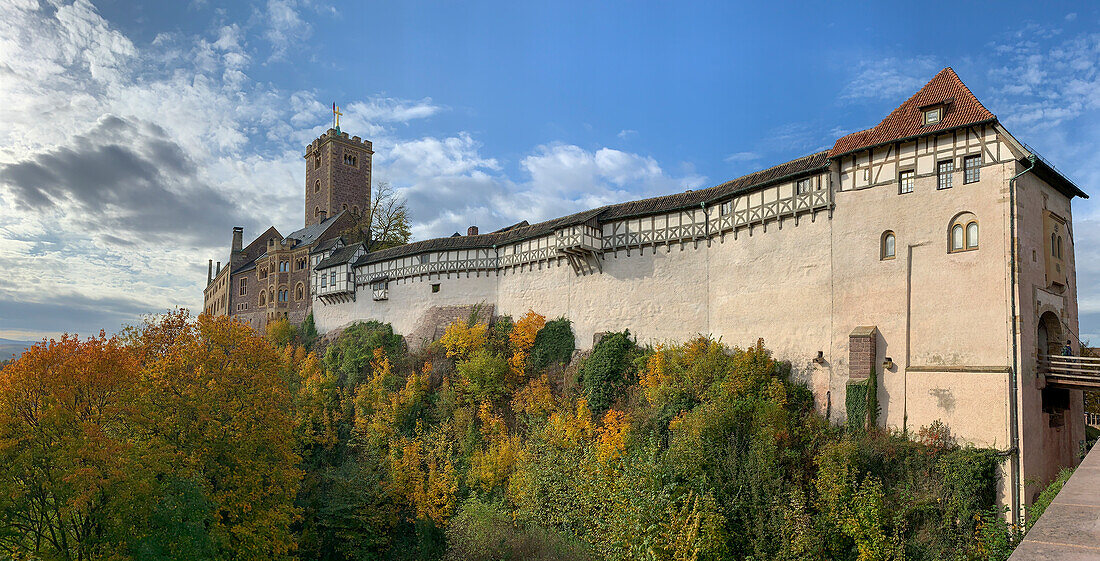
(332, 134)
(338, 175)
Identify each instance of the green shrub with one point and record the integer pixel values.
(606, 373)
(308, 332)
(1047, 496)
(481, 531)
(553, 343)
(485, 372)
(353, 350)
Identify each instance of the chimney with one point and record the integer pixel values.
(209, 271)
(238, 241)
(471, 231)
(219, 269)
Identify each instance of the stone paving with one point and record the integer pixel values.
(1069, 530)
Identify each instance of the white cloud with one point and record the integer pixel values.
(107, 211)
(742, 157)
(285, 27)
(627, 133)
(889, 78)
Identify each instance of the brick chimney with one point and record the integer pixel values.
(209, 271)
(235, 250)
(471, 231)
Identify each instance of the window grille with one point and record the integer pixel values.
(905, 182)
(972, 168)
(943, 174)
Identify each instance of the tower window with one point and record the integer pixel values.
(972, 168)
(299, 292)
(888, 249)
(317, 159)
(963, 233)
(351, 160)
(944, 171)
(317, 186)
(905, 182)
(316, 211)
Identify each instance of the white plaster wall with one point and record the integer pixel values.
(942, 317)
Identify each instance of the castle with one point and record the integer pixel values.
(933, 251)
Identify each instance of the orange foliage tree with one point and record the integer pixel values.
(67, 457)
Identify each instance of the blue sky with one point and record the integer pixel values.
(481, 113)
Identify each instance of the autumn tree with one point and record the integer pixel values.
(71, 475)
(385, 223)
(218, 396)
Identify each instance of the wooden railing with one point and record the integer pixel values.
(1077, 371)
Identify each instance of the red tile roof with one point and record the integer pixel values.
(961, 109)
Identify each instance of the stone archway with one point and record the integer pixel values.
(1049, 339)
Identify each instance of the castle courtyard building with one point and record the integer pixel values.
(269, 278)
(933, 251)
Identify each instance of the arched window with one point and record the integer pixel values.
(962, 234)
(1059, 247)
(887, 248)
(317, 159)
(355, 210)
(316, 211)
(1054, 245)
(263, 298)
(317, 186)
(299, 291)
(344, 207)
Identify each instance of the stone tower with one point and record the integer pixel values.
(337, 175)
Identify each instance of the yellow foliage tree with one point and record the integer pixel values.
(461, 339)
(522, 338)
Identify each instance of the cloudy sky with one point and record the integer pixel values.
(133, 136)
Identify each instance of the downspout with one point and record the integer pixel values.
(1013, 375)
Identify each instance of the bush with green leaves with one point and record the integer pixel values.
(483, 531)
(351, 352)
(554, 343)
(485, 373)
(607, 372)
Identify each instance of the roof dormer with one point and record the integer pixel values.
(933, 113)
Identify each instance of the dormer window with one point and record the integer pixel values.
(932, 116)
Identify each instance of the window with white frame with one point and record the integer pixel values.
(803, 186)
(905, 181)
(944, 171)
(972, 168)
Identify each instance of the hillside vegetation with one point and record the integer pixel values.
(200, 439)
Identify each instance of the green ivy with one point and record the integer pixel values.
(554, 343)
(605, 374)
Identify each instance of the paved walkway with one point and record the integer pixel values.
(1069, 529)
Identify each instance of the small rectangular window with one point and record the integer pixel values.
(944, 171)
(435, 288)
(803, 186)
(725, 208)
(244, 285)
(932, 116)
(332, 278)
(972, 166)
(905, 182)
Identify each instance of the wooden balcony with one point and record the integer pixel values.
(1072, 372)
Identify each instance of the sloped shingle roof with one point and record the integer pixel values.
(961, 109)
(666, 203)
(340, 256)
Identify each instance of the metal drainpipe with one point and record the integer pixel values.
(1013, 409)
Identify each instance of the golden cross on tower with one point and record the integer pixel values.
(336, 116)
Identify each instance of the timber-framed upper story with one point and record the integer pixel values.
(942, 131)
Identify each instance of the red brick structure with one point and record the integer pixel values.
(269, 278)
(862, 343)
